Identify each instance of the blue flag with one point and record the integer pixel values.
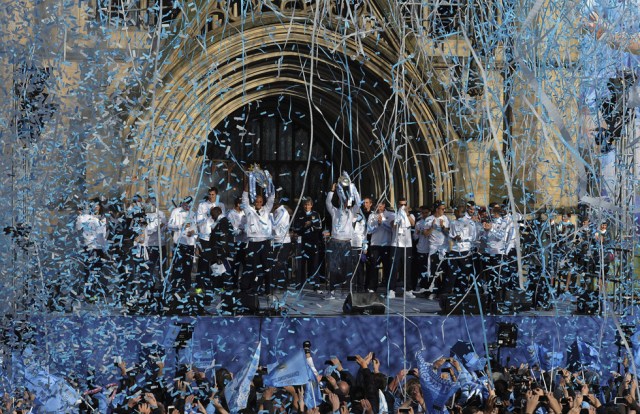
(470, 384)
(237, 391)
(53, 393)
(312, 394)
(542, 357)
(436, 389)
(294, 371)
(635, 347)
(583, 355)
(465, 353)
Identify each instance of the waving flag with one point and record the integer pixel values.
(237, 391)
(583, 355)
(436, 389)
(294, 371)
(542, 357)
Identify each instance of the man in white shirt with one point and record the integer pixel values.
(238, 222)
(339, 247)
(358, 248)
(155, 250)
(281, 219)
(462, 234)
(437, 229)
(402, 248)
(379, 251)
(210, 201)
(203, 217)
(259, 231)
(182, 223)
(514, 228)
(92, 226)
(421, 238)
(494, 257)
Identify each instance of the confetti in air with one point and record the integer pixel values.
(215, 182)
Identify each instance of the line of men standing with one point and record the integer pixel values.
(249, 246)
(449, 254)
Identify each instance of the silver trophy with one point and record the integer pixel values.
(259, 178)
(345, 188)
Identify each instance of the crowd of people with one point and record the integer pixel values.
(461, 383)
(258, 247)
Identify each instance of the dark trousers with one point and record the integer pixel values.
(205, 282)
(340, 262)
(511, 275)
(439, 270)
(131, 285)
(180, 280)
(401, 268)
(238, 257)
(377, 255)
(94, 260)
(258, 263)
(422, 270)
(151, 273)
(358, 278)
(281, 268)
(496, 271)
(462, 270)
(310, 266)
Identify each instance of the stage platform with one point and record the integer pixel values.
(309, 303)
(91, 336)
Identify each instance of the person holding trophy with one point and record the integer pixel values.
(258, 230)
(343, 219)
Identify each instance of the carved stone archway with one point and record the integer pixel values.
(271, 57)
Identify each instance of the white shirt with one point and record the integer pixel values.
(180, 223)
(481, 238)
(496, 238)
(238, 222)
(438, 240)
(402, 229)
(466, 229)
(359, 238)
(423, 241)
(381, 233)
(280, 220)
(511, 230)
(204, 230)
(342, 220)
(156, 223)
(94, 231)
(258, 223)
